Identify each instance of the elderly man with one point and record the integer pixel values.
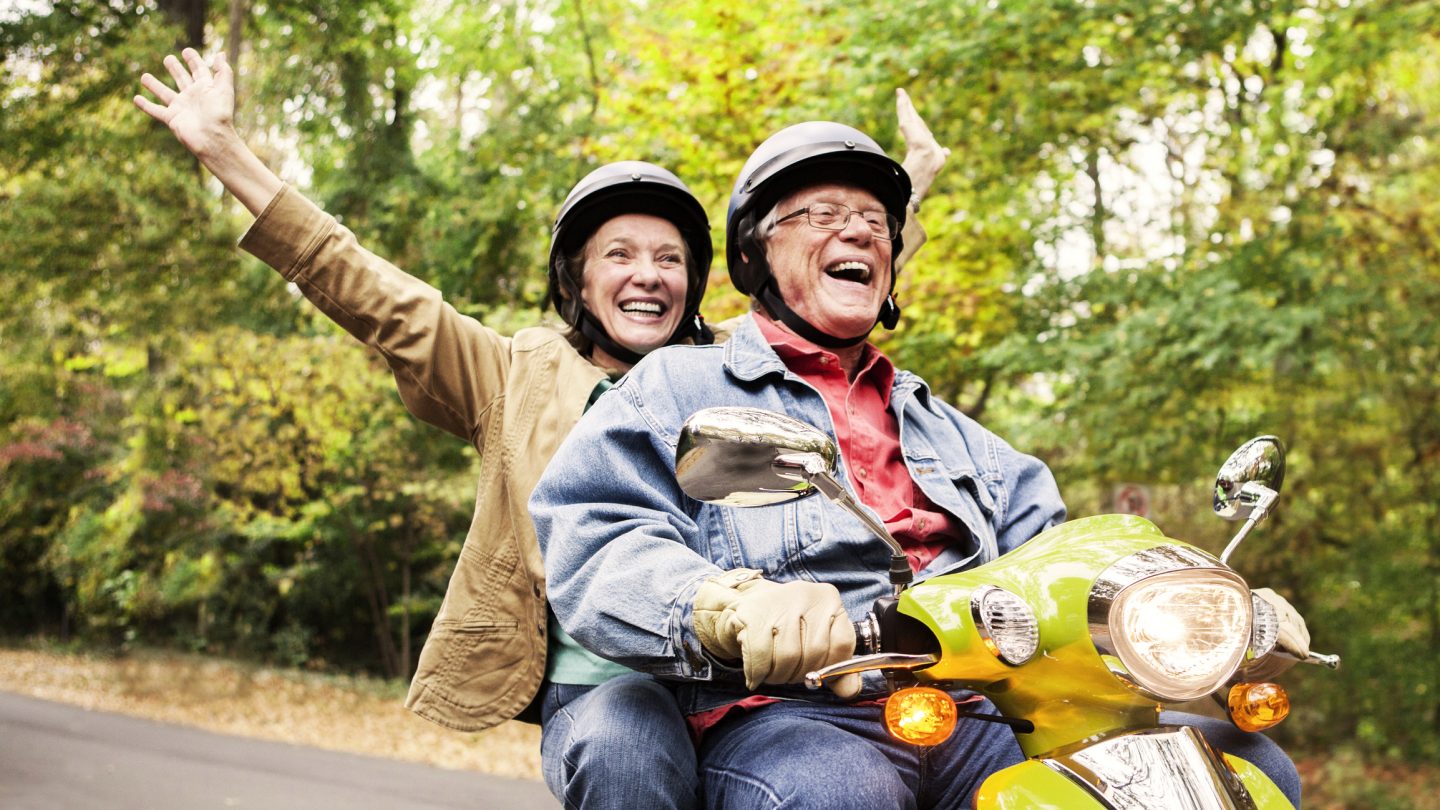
(732, 601)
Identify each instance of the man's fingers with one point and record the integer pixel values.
(787, 664)
(757, 645)
(829, 637)
(842, 639)
(161, 90)
(198, 68)
(1294, 636)
(178, 72)
(847, 686)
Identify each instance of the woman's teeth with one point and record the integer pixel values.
(642, 308)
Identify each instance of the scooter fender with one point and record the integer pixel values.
(1267, 794)
(1031, 785)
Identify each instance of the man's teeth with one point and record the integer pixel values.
(645, 307)
(851, 271)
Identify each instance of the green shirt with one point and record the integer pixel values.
(566, 661)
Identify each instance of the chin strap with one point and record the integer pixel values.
(696, 330)
(889, 317)
(889, 312)
(591, 328)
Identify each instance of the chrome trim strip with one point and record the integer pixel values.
(1169, 767)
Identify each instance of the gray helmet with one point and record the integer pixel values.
(628, 187)
(797, 156)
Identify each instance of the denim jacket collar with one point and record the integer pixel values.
(748, 356)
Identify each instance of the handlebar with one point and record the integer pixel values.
(1321, 659)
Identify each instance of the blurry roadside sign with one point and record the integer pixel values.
(1132, 499)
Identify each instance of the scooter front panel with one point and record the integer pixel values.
(1170, 767)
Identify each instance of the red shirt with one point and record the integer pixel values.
(869, 437)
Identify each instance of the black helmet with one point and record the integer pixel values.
(801, 155)
(628, 187)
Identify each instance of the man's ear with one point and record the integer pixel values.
(744, 258)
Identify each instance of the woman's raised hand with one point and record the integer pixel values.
(200, 108)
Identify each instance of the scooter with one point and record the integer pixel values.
(1079, 637)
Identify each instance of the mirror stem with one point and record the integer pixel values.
(821, 479)
(1264, 497)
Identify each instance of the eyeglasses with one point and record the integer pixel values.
(836, 217)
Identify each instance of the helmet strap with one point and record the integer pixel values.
(591, 328)
(889, 312)
(695, 329)
(770, 297)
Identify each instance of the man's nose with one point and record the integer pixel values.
(856, 229)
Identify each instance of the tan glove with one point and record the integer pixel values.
(1294, 638)
(779, 631)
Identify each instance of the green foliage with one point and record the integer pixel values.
(1164, 228)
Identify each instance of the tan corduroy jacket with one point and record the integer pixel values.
(514, 399)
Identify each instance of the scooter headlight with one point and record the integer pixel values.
(1176, 634)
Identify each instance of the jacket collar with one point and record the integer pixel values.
(748, 356)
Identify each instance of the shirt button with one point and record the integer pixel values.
(862, 472)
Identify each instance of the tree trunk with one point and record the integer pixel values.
(190, 15)
(233, 39)
(374, 587)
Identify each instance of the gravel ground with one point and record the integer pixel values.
(340, 714)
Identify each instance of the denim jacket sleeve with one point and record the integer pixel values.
(1028, 499)
(1033, 502)
(621, 571)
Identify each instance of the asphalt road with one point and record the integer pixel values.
(57, 756)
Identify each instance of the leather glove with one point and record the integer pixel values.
(777, 630)
(1294, 639)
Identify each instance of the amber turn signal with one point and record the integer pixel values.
(920, 715)
(1258, 706)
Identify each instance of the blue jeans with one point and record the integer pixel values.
(801, 755)
(622, 744)
(1255, 748)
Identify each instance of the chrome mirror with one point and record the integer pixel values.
(1248, 484)
(754, 457)
(749, 457)
(1255, 467)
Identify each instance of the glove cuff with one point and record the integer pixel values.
(714, 607)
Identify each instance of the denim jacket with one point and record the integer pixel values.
(625, 548)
